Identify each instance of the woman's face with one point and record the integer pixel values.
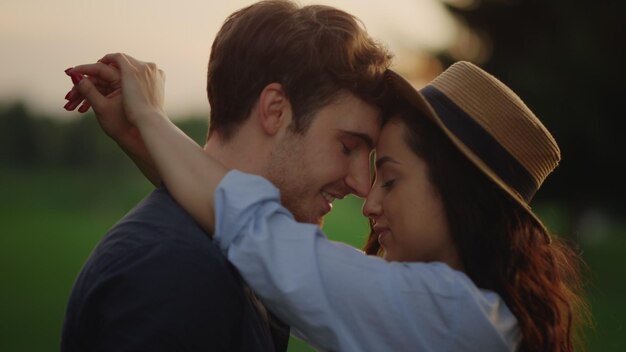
(404, 206)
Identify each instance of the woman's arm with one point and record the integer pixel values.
(134, 147)
(190, 174)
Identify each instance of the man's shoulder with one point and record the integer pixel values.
(159, 212)
(157, 282)
(158, 220)
(158, 234)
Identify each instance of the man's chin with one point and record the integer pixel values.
(310, 219)
(303, 214)
(318, 221)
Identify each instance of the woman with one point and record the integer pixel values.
(468, 265)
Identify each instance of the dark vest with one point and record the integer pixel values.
(157, 282)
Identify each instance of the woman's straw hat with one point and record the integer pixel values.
(490, 125)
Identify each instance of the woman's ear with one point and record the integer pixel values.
(274, 109)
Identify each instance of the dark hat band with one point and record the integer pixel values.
(481, 143)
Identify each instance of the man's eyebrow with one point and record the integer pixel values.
(382, 160)
(362, 136)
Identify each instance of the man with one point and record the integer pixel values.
(293, 94)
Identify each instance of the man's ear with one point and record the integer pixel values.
(274, 108)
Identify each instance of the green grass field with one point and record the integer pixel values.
(51, 220)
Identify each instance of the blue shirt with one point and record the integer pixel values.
(338, 298)
(156, 282)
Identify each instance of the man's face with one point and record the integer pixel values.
(330, 160)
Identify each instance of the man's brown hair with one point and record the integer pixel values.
(314, 52)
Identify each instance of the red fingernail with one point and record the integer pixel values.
(76, 77)
(67, 71)
(83, 108)
(70, 106)
(67, 96)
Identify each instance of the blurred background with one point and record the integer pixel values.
(63, 183)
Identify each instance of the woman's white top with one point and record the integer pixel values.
(339, 299)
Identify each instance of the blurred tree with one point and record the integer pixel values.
(565, 59)
(18, 136)
(80, 148)
(28, 140)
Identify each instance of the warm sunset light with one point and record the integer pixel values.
(114, 236)
(42, 38)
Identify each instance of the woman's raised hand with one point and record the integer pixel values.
(122, 91)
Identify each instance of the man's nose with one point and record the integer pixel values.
(358, 178)
(372, 207)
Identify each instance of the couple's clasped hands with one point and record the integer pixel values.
(123, 92)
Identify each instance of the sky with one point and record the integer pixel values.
(39, 39)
